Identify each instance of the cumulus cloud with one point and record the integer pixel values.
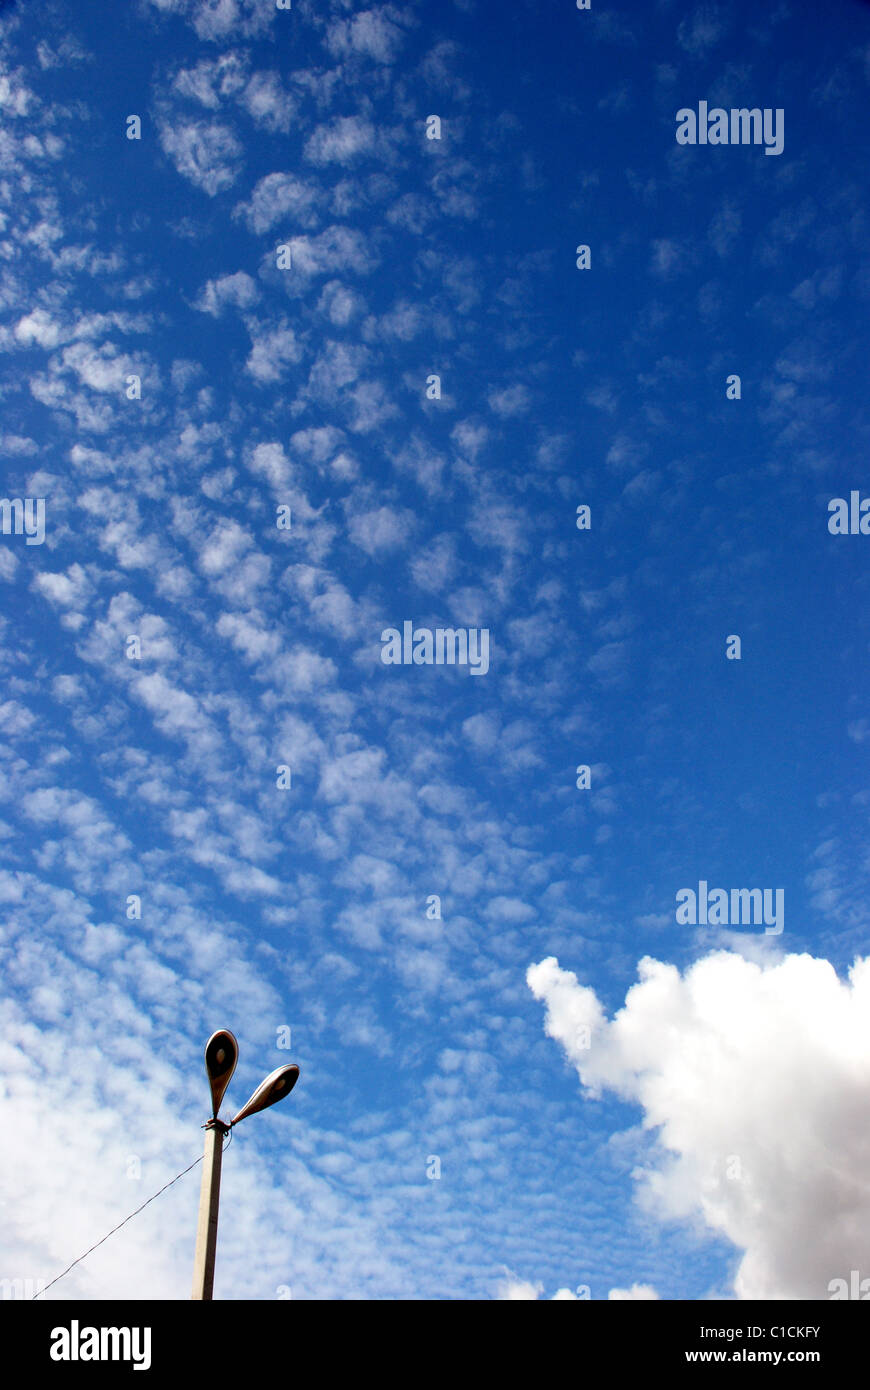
(340, 141)
(267, 103)
(239, 290)
(18, 444)
(101, 369)
(211, 80)
(270, 461)
(273, 351)
(513, 400)
(68, 590)
(38, 327)
(248, 635)
(756, 1077)
(214, 20)
(68, 52)
(379, 531)
(322, 447)
(435, 568)
(340, 303)
(514, 1290)
(278, 196)
(335, 249)
(372, 34)
(205, 152)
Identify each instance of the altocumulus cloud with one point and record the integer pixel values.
(757, 1078)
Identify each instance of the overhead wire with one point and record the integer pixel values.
(122, 1223)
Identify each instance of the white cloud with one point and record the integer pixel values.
(15, 98)
(18, 444)
(335, 249)
(214, 20)
(15, 719)
(70, 590)
(337, 366)
(379, 531)
(248, 636)
(103, 368)
(270, 461)
(435, 567)
(514, 1289)
(756, 1077)
(279, 196)
(373, 34)
(470, 438)
(340, 303)
(701, 30)
(205, 152)
(302, 671)
(481, 731)
(38, 327)
(513, 400)
(319, 444)
(371, 406)
(273, 350)
(267, 103)
(219, 19)
(637, 1291)
(223, 548)
(340, 141)
(211, 80)
(68, 51)
(517, 1290)
(239, 290)
(404, 321)
(666, 255)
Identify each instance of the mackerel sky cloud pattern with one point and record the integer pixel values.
(324, 322)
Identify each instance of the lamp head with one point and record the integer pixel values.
(221, 1055)
(276, 1086)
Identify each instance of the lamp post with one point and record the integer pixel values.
(221, 1055)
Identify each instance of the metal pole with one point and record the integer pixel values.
(209, 1198)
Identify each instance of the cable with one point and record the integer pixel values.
(117, 1228)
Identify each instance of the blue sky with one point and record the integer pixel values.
(421, 1037)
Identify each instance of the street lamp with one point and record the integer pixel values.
(221, 1055)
